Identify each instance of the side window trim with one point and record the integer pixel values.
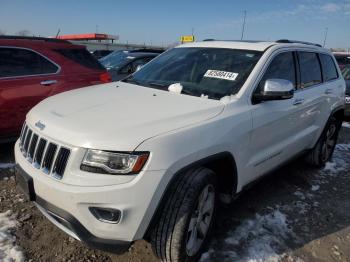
(314, 85)
(31, 50)
(297, 71)
(322, 70)
(334, 65)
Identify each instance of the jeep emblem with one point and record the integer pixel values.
(40, 125)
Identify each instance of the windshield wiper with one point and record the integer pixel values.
(187, 92)
(157, 85)
(131, 80)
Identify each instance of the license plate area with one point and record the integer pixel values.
(25, 183)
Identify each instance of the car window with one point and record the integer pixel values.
(346, 73)
(23, 62)
(281, 67)
(140, 62)
(310, 70)
(328, 67)
(116, 59)
(343, 59)
(209, 72)
(82, 57)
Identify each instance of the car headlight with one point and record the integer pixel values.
(106, 162)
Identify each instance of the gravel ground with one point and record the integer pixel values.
(294, 214)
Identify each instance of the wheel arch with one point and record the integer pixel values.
(338, 113)
(223, 164)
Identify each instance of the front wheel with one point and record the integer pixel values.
(187, 217)
(324, 148)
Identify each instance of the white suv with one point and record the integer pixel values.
(148, 157)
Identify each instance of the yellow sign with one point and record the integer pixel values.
(187, 38)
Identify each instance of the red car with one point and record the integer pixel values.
(33, 68)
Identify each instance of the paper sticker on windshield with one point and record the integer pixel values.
(221, 75)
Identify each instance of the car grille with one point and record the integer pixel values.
(47, 156)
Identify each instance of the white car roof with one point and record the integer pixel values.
(249, 45)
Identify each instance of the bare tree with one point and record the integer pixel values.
(23, 33)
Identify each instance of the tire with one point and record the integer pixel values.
(171, 235)
(323, 150)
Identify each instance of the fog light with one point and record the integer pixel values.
(106, 215)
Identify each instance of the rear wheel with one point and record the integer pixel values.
(182, 230)
(324, 148)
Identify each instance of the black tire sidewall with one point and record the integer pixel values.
(203, 179)
(321, 141)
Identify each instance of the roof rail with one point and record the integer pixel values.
(46, 39)
(296, 42)
(233, 40)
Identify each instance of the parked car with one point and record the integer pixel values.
(120, 64)
(98, 54)
(342, 58)
(346, 75)
(33, 68)
(150, 156)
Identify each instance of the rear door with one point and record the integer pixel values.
(333, 84)
(311, 98)
(81, 68)
(26, 78)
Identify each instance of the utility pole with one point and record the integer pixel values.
(96, 29)
(325, 37)
(243, 25)
(58, 32)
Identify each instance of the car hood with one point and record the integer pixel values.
(118, 116)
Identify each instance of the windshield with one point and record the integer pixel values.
(116, 59)
(212, 72)
(346, 73)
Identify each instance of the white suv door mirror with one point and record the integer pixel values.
(275, 89)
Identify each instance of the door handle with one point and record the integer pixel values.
(298, 101)
(48, 82)
(328, 91)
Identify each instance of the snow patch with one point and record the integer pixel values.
(315, 187)
(7, 165)
(9, 252)
(300, 195)
(339, 162)
(262, 238)
(347, 125)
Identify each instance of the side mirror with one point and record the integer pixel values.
(275, 89)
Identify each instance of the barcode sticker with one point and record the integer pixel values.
(221, 75)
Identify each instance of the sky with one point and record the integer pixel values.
(162, 22)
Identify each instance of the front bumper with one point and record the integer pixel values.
(74, 228)
(65, 221)
(67, 206)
